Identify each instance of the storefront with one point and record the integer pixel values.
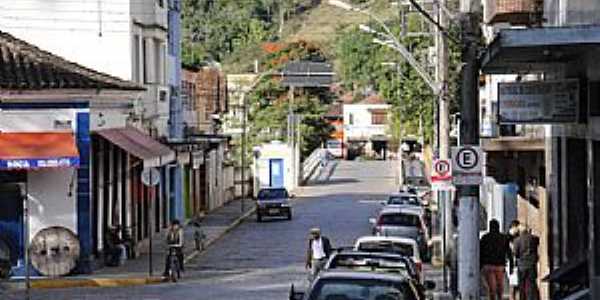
(567, 103)
(119, 198)
(43, 165)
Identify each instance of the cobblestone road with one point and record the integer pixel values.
(259, 261)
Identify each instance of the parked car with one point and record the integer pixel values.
(403, 198)
(392, 245)
(273, 202)
(352, 285)
(406, 222)
(373, 262)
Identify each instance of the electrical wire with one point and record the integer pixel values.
(441, 28)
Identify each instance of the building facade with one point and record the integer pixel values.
(365, 128)
(46, 162)
(555, 88)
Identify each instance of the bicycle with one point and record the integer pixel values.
(174, 270)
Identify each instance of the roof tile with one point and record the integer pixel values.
(25, 66)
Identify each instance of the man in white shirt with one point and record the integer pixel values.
(319, 249)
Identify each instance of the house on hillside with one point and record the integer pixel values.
(365, 128)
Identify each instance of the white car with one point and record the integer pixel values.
(396, 245)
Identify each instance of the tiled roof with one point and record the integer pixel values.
(26, 67)
(373, 99)
(335, 110)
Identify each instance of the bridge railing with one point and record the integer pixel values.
(312, 163)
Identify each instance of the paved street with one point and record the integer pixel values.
(260, 260)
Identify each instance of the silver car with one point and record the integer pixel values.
(402, 221)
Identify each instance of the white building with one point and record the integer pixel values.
(365, 127)
(123, 38)
(273, 165)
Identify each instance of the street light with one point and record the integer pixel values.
(389, 41)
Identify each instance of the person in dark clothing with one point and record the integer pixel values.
(513, 275)
(495, 251)
(526, 253)
(175, 239)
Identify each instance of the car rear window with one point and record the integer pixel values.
(272, 194)
(403, 200)
(367, 289)
(400, 219)
(387, 247)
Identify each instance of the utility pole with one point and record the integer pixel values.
(444, 197)
(468, 227)
(442, 73)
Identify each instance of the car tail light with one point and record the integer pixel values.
(419, 266)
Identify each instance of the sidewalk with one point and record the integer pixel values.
(136, 271)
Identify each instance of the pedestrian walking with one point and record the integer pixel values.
(175, 239)
(319, 249)
(513, 274)
(495, 251)
(526, 252)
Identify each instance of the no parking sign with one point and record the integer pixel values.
(441, 175)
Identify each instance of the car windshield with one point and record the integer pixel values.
(387, 247)
(272, 194)
(403, 200)
(400, 219)
(361, 289)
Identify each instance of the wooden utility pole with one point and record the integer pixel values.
(468, 227)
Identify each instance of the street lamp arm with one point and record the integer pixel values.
(396, 43)
(413, 62)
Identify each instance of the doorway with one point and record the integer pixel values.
(276, 172)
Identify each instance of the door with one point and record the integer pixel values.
(276, 172)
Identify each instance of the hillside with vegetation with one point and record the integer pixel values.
(236, 33)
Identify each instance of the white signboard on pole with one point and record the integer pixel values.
(467, 162)
(540, 102)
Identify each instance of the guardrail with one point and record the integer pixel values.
(312, 163)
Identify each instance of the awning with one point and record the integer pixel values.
(139, 145)
(535, 49)
(38, 150)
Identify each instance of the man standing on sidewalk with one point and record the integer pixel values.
(526, 253)
(319, 249)
(495, 251)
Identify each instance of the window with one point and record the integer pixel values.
(145, 60)
(351, 119)
(136, 58)
(378, 118)
(159, 62)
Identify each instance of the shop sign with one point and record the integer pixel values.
(538, 102)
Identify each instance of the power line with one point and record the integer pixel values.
(433, 21)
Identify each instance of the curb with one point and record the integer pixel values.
(82, 282)
(209, 242)
(116, 282)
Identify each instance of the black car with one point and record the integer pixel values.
(273, 202)
(352, 285)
